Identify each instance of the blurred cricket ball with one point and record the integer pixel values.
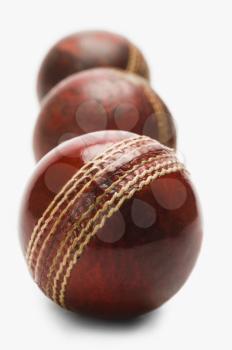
(89, 49)
(110, 224)
(101, 99)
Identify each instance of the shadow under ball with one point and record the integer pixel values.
(110, 224)
(101, 99)
(85, 50)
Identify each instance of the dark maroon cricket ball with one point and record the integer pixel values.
(101, 99)
(110, 224)
(85, 50)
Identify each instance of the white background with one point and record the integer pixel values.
(188, 45)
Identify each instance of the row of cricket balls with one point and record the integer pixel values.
(110, 223)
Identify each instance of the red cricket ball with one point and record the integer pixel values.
(110, 224)
(100, 99)
(89, 49)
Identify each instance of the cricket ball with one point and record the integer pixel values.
(101, 99)
(89, 49)
(110, 224)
